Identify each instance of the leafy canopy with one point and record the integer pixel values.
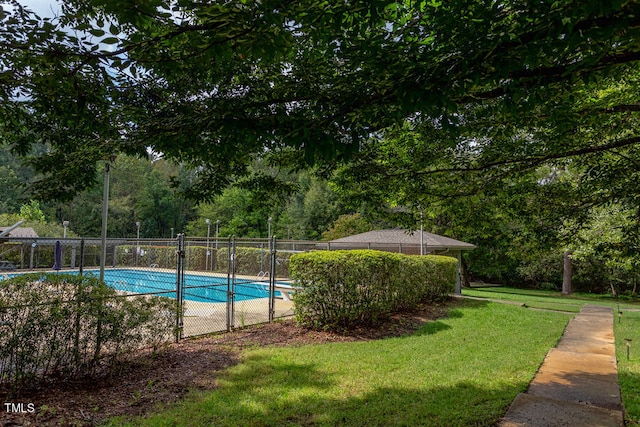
(494, 85)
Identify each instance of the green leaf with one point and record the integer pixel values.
(110, 40)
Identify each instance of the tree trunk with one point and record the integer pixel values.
(466, 278)
(566, 277)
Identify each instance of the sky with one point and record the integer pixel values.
(44, 8)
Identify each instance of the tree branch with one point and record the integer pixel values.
(532, 161)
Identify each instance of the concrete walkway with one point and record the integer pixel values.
(577, 384)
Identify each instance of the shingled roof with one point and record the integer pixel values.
(22, 232)
(403, 237)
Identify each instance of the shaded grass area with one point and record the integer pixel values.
(461, 370)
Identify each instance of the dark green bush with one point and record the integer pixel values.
(66, 325)
(343, 289)
(157, 256)
(251, 261)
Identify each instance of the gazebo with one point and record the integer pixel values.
(406, 242)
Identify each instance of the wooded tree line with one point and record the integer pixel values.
(511, 124)
(141, 191)
(521, 232)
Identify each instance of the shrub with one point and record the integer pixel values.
(161, 256)
(251, 261)
(343, 289)
(66, 325)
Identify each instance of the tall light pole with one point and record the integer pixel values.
(65, 224)
(105, 209)
(137, 242)
(421, 235)
(217, 228)
(208, 221)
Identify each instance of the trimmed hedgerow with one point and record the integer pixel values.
(150, 255)
(62, 325)
(251, 261)
(349, 288)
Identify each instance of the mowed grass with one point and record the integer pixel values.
(547, 300)
(461, 370)
(626, 316)
(627, 327)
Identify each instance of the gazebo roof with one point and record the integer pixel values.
(405, 237)
(22, 232)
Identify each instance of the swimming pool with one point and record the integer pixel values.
(201, 288)
(196, 287)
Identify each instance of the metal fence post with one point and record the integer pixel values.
(272, 279)
(230, 269)
(180, 254)
(81, 266)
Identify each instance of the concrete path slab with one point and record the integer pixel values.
(535, 411)
(577, 384)
(590, 379)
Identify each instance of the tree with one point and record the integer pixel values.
(140, 190)
(426, 100)
(302, 209)
(609, 240)
(347, 225)
(213, 84)
(32, 212)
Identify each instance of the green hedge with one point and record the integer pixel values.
(342, 289)
(65, 326)
(251, 261)
(160, 256)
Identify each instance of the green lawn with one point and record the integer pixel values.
(626, 326)
(549, 300)
(461, 370)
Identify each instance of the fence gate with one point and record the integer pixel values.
(250, 296)
(240, 291)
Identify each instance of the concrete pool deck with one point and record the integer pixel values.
(203, 317)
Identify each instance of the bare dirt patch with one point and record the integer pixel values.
(138, 386)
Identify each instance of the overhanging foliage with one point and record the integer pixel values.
(211, 84)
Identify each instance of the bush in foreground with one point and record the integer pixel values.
(343, 289)
(65, 326)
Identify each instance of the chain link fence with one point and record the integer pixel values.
(216, 284)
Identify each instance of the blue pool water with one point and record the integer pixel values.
(196, 288)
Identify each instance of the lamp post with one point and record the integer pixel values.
(137, 242)
(171, 233)
(208, 221)
(65, 224)
(105, 216)
(217, 229)
(214, 259)
(421, 235)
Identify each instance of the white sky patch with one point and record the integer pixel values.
(43, 8)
